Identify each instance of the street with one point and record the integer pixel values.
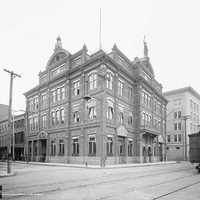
(172, 181)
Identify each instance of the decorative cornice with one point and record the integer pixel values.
(182, 90)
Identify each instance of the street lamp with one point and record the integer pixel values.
(185, 118)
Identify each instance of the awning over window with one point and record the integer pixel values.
(160, 139)
(121, 131)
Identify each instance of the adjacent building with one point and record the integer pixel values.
(3, 111)
(18, 132)
(96, 109)
(182, 119)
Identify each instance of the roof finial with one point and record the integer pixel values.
(145, 48)
(58, 44)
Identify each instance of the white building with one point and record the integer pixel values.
(182, 115)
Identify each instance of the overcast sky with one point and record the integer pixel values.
(28, 31)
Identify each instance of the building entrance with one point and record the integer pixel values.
(43, 150)
(122, 149)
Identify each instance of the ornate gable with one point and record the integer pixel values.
(58, 55)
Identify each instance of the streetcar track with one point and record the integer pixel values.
(177, 190)
(101, 182)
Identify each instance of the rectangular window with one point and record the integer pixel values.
(75, 146)
(62, 116)
(57, 117)
(168, 138)
(53, 148)
(61, 147)
(121, 117)
(31, 124)
(130, 148)
(53, 118)
(92, 113)
(93, 81)
(179, 114)
(36, 123)
(130, 119)
(109, 81)
(44, 100)
(179, 137)
(179, 126)
(130, 93)
(62, 94)
(175, 138)
(76, 117)
(54, 96)
(44, 121)
(175, 126)
(175, 115)
(36, 104)
(109, 146)
(120, 88)
(92, 146)
(110, 112)
(58, 94)
(76, 88)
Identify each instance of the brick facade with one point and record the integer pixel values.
(101, 95)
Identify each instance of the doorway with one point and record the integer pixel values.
(122, 149)
(43, 150)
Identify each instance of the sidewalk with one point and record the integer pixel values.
(97, 166)
(5, 174)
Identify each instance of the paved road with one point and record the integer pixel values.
(174, 181)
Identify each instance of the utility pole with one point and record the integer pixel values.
(185, 136)
(12, 76)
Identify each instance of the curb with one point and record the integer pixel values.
(98, 167)
(7, 175)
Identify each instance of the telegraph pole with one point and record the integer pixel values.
(12, 76)
(185, 118)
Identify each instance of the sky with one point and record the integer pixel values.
(29, 28)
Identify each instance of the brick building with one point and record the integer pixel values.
(5, 140)
(96, 108)
(183, 111)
